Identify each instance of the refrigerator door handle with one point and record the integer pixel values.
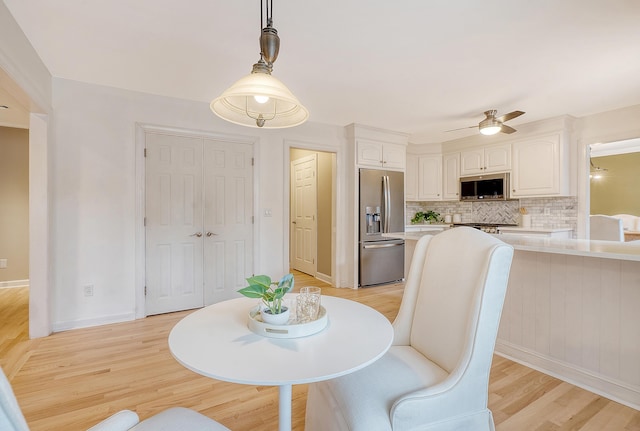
(387, 203)
(382, 245)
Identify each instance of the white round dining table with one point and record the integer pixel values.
(216, 342)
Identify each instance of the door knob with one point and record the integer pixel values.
(293, 222)
(198, 234)
(211, 234)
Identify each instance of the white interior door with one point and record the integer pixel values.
(199, 221)
(228, 219)
(304, 224)
(174, 240)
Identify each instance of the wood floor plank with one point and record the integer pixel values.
(72, 380)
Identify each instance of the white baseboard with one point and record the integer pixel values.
(86, 323)
(607, 387)
(14, 283)
(324, 277)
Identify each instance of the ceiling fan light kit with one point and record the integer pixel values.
(492, 125)
(259, 99)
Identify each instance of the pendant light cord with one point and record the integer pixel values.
(269, 6)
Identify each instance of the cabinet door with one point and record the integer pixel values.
(451, 176)
(472, 162)
(394, 156)
(430, 178)
(411, 179)
(369, 153)
(497, 159)
(536, 167)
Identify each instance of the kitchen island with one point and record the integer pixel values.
(572, 311)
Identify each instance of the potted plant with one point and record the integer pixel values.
(271, 293)
(426, 217)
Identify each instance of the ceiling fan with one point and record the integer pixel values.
(492, 125)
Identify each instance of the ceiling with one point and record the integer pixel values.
(414, 66)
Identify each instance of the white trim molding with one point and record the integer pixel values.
(14, 283)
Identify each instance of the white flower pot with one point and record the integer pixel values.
(275, 319)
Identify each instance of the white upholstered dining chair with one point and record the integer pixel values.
(605, 228)
(435, 376)
(173, 419)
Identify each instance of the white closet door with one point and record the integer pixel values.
(174, 227)
(228, 214)
(304, 214)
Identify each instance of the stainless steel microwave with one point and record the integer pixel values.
(491, 187)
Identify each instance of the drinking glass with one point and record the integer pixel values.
(308, 304)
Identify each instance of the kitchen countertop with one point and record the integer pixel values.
(534, 229)
(577, 247)
(429, 226)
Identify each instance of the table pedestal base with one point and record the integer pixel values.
(284, 408)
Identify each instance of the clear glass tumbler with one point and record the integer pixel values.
(308, 304)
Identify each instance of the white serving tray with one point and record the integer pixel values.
(291, 330)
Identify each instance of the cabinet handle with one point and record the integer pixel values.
(514, 190)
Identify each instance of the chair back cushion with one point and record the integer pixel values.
(451, 296)
(605, 228)
(11, 418)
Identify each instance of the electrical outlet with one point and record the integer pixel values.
(267, 212)
(88, 289)
(3, 263)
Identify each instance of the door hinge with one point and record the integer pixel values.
(145, 152)
(145, 291)
(144, 221)
(252, 217)
(252, 161)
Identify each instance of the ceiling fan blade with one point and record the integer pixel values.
(509, 116)
(506, 129)
(462, 128)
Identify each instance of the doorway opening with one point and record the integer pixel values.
(613, 179)
(312, 201)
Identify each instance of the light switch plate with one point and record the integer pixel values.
(3, 263)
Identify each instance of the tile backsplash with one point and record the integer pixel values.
(547, 213)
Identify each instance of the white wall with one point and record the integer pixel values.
(27, 79)
(616, 125)
(94, 196)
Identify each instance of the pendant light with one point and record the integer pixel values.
(259, 99)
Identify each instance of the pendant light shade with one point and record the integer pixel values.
(259, 99)
(240, 103)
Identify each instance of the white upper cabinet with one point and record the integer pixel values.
(430, 178)
(381, 154)
(411, 179)
(451, 176)
(423, 177)
(540, 167)
(496, 158)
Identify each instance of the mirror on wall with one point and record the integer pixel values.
(614, 179)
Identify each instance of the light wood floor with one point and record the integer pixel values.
(71, 380)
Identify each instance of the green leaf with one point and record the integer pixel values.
(263, 280)
(253, 291)
(286, 283)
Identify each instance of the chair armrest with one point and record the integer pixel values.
(121, 421)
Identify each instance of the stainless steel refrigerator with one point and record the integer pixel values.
(381, 259)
